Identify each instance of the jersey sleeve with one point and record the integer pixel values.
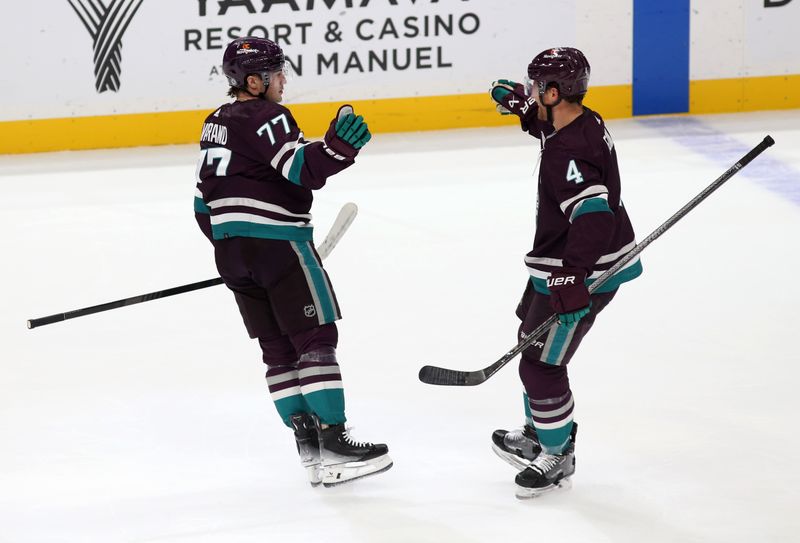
(281, 144)
(583, 199)
(533, 126)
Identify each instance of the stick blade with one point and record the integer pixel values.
(434, 375)
(340, 225)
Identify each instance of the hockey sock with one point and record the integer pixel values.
(321, 385)
(284, 388)
(552, 418)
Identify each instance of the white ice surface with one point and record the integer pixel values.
(153, 423)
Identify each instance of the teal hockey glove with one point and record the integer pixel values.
(511, 97)
(347, 133)
(569, 296)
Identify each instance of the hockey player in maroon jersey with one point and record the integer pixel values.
(582, 229)
(254, 188)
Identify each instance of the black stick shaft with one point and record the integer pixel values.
(693, 203)
(339, 227)
(58, 317)
(442, 376)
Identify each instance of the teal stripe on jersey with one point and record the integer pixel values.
(320, 285)
(265, 231)
(328, 405)
(628, 274)
(298, 160)
(200, 206)
(291, 405)
(554, 441)
(591, 205)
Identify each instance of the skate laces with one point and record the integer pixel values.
(352, 441)
(545, 462)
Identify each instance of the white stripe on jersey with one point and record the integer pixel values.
(544, 261)
(288, 146)
(247, 217)
(258, 204)
(580, 204)
(288, 165)
(557, 262)
(613, 256)
(198, 193)
(589, 191)
(597, 274)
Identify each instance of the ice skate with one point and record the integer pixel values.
(345, 459)
(517, 447)
(307, 440)
(546, 473)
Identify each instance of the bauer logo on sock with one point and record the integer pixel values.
(310, 310)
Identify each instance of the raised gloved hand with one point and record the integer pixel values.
(511, 97)
(569, 296)
(347, 133)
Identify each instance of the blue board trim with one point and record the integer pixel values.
(660, 56)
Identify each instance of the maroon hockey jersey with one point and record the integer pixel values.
(256, 173)
(580, 220)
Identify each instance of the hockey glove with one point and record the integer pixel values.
(347, 133)
(569, 296)
(510, 97)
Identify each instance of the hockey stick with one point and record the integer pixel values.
(434, 375)
(339, 227)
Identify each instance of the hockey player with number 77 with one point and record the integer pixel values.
(254, 189)
(582, 229)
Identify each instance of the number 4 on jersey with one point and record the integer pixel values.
(573, 173)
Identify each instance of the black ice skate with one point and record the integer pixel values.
(546, 473)
(517, 447)
(345, 459)
(307, 440)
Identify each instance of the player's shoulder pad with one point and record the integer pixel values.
(588, 141)
(264, 110)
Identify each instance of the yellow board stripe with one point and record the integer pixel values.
(385, 115)
(177, 127)
(745, 94)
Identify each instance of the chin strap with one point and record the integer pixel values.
(549, 108)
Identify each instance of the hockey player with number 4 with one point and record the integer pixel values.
(254, 189)
(582, 229)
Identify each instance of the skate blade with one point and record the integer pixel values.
(524, 493)
(314, 473)
(520, 464)
(339, 474)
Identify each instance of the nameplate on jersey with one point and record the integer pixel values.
(214, 133)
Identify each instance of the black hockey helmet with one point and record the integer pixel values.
(245, 56)
(567, 67)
